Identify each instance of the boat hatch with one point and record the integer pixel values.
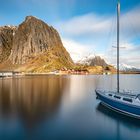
(118, 97)
(127, 99)
(110, 94)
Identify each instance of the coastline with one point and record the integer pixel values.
(60, 74)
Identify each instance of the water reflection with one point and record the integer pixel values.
(127, 121)
(52, 107)
(124, 127)
(30, 98)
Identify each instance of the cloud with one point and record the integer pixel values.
(99, 25)
(130, 23)
(85, 25)
(76, 50)
(101, 31)
(128, 55)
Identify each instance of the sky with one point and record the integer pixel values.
(86, 27)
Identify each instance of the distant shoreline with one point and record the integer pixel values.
(59, 74)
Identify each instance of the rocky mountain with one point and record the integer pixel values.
(34, 43)
(93, 60)
(6, 40)
(125, 67)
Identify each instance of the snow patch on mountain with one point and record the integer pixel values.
(93, 60)
(125, 67)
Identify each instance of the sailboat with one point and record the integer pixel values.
(122, 102)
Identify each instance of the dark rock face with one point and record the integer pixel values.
(93, 61)
(33, 37)
(6, 40)
(97, 61)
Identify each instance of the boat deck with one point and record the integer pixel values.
(125, 97)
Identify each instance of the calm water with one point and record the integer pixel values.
(63, 107)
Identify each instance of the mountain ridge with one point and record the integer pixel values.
(93, 60)
(32, 39)
(125, 67)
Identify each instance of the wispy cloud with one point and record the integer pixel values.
(98, 25)
(99, 28)
(128, 55)
(130, 23)
(85, 25)
(76, 50)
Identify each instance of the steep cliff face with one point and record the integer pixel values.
(32, 38)
(32, 46)
(6, 40)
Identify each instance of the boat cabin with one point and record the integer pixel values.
(119, 97)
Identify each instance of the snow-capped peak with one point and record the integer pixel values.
(126, 67)
(92, 60)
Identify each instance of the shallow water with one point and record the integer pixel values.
(63, 107)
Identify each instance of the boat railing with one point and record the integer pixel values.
(125, 92)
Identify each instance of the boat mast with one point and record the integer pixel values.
(118, 44)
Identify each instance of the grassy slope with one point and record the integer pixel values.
(53, 59)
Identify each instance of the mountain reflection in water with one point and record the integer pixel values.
(30, 99)
(63, 107)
